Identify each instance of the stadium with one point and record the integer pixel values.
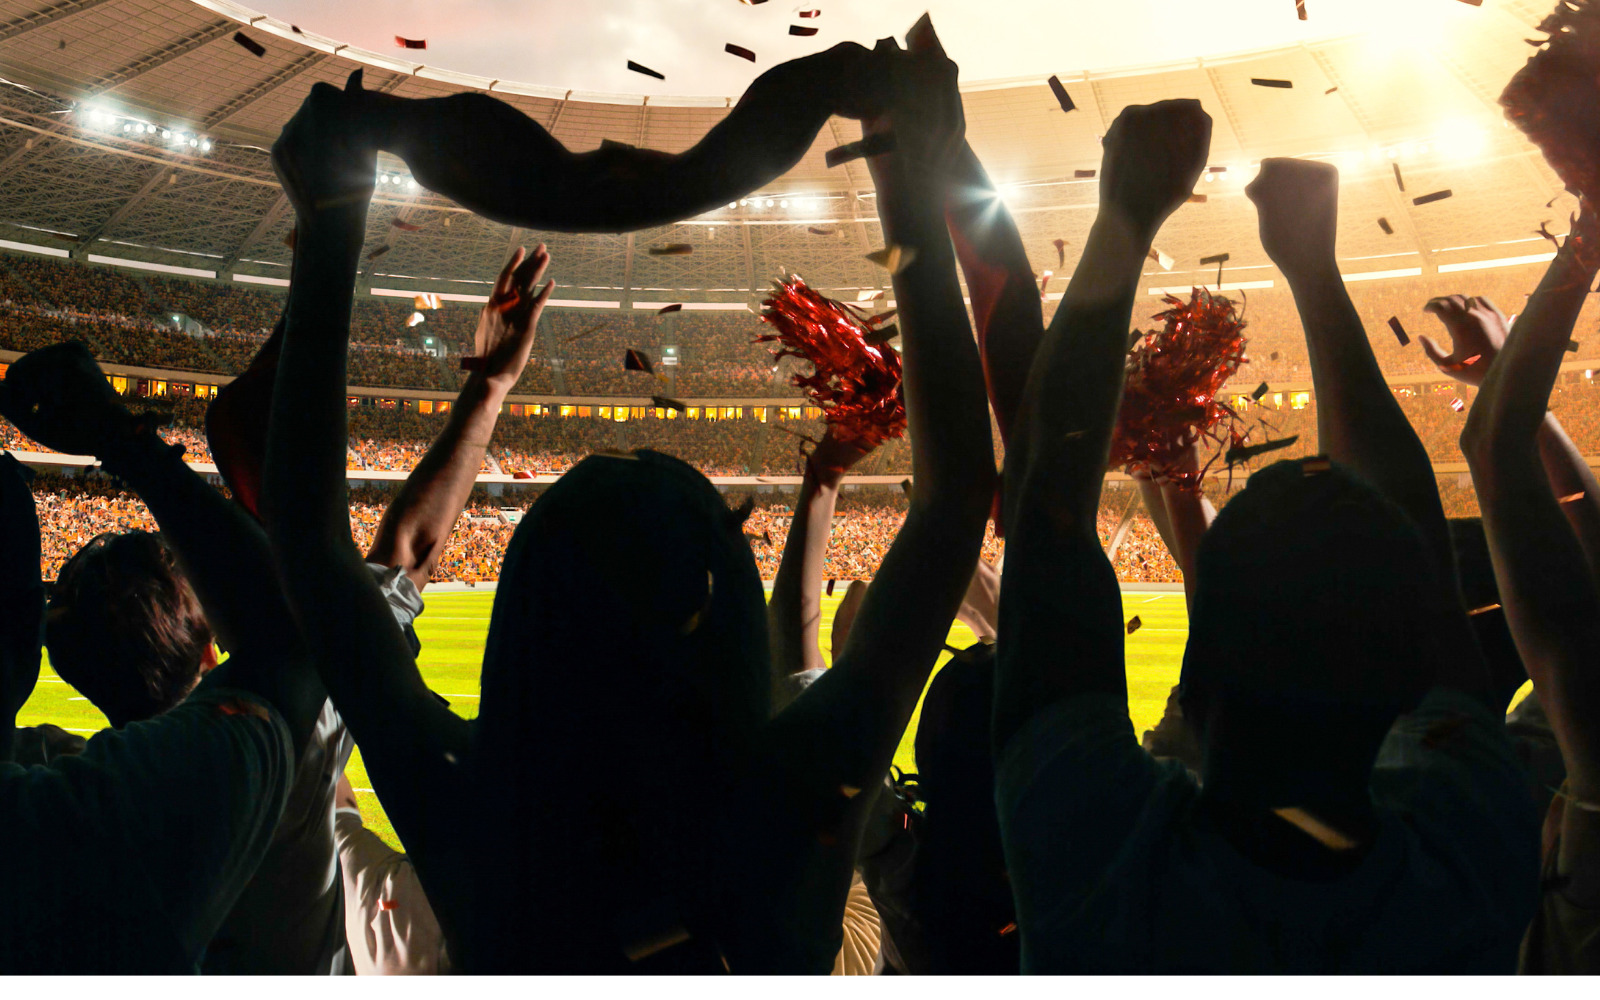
(140, 214)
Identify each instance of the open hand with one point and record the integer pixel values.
(1477, 332)
(506, 326)
(58, 396)
(323, 157)
(1153, 155)
(1297, 202)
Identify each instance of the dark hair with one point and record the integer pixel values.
(1313, 588)
(125, 628)
(624, 681)
(1480, 592)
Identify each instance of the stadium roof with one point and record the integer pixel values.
(138, 130)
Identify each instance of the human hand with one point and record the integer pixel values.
(507, 324)
(1152, 156)
(1477, 332)
(21, 593)
(924, 109)
(324, 158)
(58, 396)
(832, 458)
(1297, 202)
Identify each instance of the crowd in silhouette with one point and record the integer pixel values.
(664, 773)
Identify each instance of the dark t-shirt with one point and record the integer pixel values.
(1114, 873)
(127, 857)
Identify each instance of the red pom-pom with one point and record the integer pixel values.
(1555, 98)
(855, 380)
(1174, 375)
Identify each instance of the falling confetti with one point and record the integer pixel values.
(671, 250)
(1383, 224)
(249, 44)
(637, 361)
(668, 403)
(802, 30)
(1399, 331)
(1134, 625)
(1278, 84)
(1244, 453)
(1398, 180)
(1062, 97)
(414, 319)
(873, 145)
(411, 43)
(1261, 390)
(740, 51)
(403, 226)
(1428, 199)
(893, 258)
(674, 307)
(378, 252)
(646, 70)
(1084, 173)
(1061, 252)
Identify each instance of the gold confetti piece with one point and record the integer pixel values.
(1134, 624)
(646, 70)
(849, 791)
(672, 250)
(403, 226)
(1198, 199)
(1429, 199)
(894, 259)
(1573, 496)
(1484, 610)
(427, 300)
(740, 51)
(802, 30)
(1312, 466)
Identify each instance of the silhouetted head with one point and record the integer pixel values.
(1316, 621)
(625, 677)
(125, 628)
(1480, 592)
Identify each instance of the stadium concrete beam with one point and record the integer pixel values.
(627, 274)
(51, 14)
(157, 181)
(854, 190)
(749, 255)
(1399, 208)
(268, 221)
(254, 93)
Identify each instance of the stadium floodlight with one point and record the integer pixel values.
(769, 202)
(166, 133)
(194, 142)
(205, 146)
(784, 203)
(734, 204)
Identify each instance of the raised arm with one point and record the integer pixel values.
(1359, 422)
(490, 157)
(794, 612)
(1477, 333)
(407, 738)
(417, 524)
(59, 396)
(865, 701)
(1551, 601)
(1059, 592)
(21, 596)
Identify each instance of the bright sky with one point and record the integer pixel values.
(585, 44)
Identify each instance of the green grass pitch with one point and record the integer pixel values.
(455, 626)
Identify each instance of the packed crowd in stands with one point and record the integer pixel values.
(664, 774)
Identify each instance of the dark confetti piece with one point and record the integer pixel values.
(675, 307)
(740, 51)
(411, 43)
(1062, 97)
(249, 44)
(1261, 390)
(403, 226)
(1215, 259)
(1083, 173)
(873, 145)
(1383, 224)
(1399, 331)
(804, 31)
(1278, 84)
(637, 361)
(646, 70)
(668, 403)
(1243, 453)
(1428, 199)
(378, 252)
(671, 250)
(1398, 179)
(1134, 624)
